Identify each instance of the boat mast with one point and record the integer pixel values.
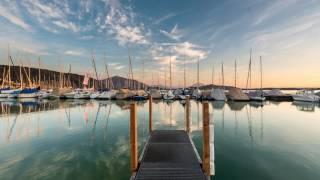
(170, 75)
(3, 76)
(249, 71)
(222, 74)
(184, 73)
(95, 70)
(9, 66)
(261, 74)
(39, 74)
(235, 73)
(198, 73)
(143, 87)
(165, 78)
(212, 76)
(21, 80)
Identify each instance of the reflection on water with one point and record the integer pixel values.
(81, 139)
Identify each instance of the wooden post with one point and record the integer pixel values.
(150, 113)
(188, 114)
(133, 137)
(206, 139)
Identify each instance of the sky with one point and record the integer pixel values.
(285, 33)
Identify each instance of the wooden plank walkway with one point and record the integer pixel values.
(169, 154)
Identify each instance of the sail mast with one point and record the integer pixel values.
(184, 73)
(170, 75)
(198, 74)
(222, 74)
(212, 76)
(260, 73)
(39, 74)
(165, 78)
(249, 71)
(143, 87)
(95, 70)
(9, 66)
(20, 70)
(235, 73)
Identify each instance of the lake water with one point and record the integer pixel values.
(90, 139)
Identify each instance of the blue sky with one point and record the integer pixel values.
(62, 32)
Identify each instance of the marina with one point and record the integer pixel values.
(249, 141)
(159, 90)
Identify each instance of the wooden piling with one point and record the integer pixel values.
(150, 113)
(206, 139)
(187, 114)
(133, 137)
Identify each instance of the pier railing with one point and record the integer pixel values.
(206, 161)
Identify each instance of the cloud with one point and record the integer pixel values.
(290, 32)
(23, 44)
(174, 34)
(272, 10)
(66, 25)
(13, 18)
(190, 50)
(121, 24)
(119, 67)
(164, 18)
(51, 15)
(73, 53)
(86, 37)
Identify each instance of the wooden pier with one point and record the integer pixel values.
(170, 154)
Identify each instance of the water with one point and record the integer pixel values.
(82, 140)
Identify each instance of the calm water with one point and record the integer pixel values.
(90, 139)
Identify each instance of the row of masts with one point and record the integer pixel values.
(64, 79)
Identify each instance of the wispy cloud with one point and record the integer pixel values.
(272, 10)
(164, 18)
(73, 53)
(13, 18)
(66, 25)
(51, 16)
(174, 34)
(86, 37)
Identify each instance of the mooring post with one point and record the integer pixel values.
(150, 113)
(206, 139)
(187, 114)
(133, 137)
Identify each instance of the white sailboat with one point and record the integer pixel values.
(197, 94)
(181, 95)
(257, 95)
(218, 94)
(169, 94)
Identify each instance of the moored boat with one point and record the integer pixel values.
(306, 95)
(29, 93)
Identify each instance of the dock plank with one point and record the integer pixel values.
(169, 154)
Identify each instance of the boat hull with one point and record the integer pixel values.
(305, 98)
(28, 95)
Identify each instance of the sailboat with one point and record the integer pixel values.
(140, 94)
(7, 92)
(218, 94)
(197, 94)
(182, 94)
(234, 93)
(96, 93)
(257, 95)
(169, 94)
(109, 93)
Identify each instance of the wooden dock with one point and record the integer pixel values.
(170, 154)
